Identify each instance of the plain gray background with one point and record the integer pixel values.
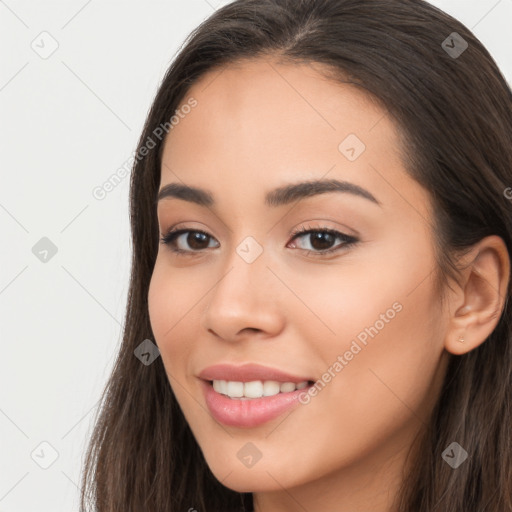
(69, 120)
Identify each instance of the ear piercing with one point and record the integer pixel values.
(461, 339)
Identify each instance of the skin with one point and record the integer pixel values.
(259, 125)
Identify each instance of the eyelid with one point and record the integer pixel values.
(320, 224)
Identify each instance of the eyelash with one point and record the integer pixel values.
(170, 237)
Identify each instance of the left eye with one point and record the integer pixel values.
(320, 240)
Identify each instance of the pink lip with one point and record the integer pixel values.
(251, 412)
(247, 373)
(248, 413)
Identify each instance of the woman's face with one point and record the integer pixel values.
(362, 320)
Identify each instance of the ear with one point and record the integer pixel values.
(477, 307)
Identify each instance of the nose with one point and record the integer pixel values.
(244, 302)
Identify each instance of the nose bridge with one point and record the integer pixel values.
(245, 268)
(241, 298)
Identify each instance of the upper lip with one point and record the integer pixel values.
(248, 372)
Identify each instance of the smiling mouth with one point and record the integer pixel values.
(256, 389)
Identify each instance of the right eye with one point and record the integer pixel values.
(177, 238)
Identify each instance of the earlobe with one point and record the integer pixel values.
(485, 285)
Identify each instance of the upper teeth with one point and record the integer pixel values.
(256, 388)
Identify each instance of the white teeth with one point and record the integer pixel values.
(235, 389)
(286, 387)
(255, 388)
(271, 388)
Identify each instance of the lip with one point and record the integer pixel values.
(248, 413)
(249, 372)
(251, 412)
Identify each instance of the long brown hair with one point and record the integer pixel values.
(455, 118)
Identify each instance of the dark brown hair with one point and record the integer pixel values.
(455, 119)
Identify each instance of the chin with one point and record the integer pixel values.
(244, 480)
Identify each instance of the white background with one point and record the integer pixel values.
(68, 122)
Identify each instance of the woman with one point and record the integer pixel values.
(318, 315)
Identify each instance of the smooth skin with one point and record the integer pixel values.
(259, 125)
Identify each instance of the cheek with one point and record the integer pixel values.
(375, 403)
(385, 327)
(171, 301)
(174, 303)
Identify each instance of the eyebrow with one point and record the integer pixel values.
(277, 197)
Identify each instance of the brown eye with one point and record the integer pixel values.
(193, 238)
(321, 240)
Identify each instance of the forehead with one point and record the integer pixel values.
(259, 124)
(261, 99)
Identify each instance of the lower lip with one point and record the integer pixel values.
(248, 413)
